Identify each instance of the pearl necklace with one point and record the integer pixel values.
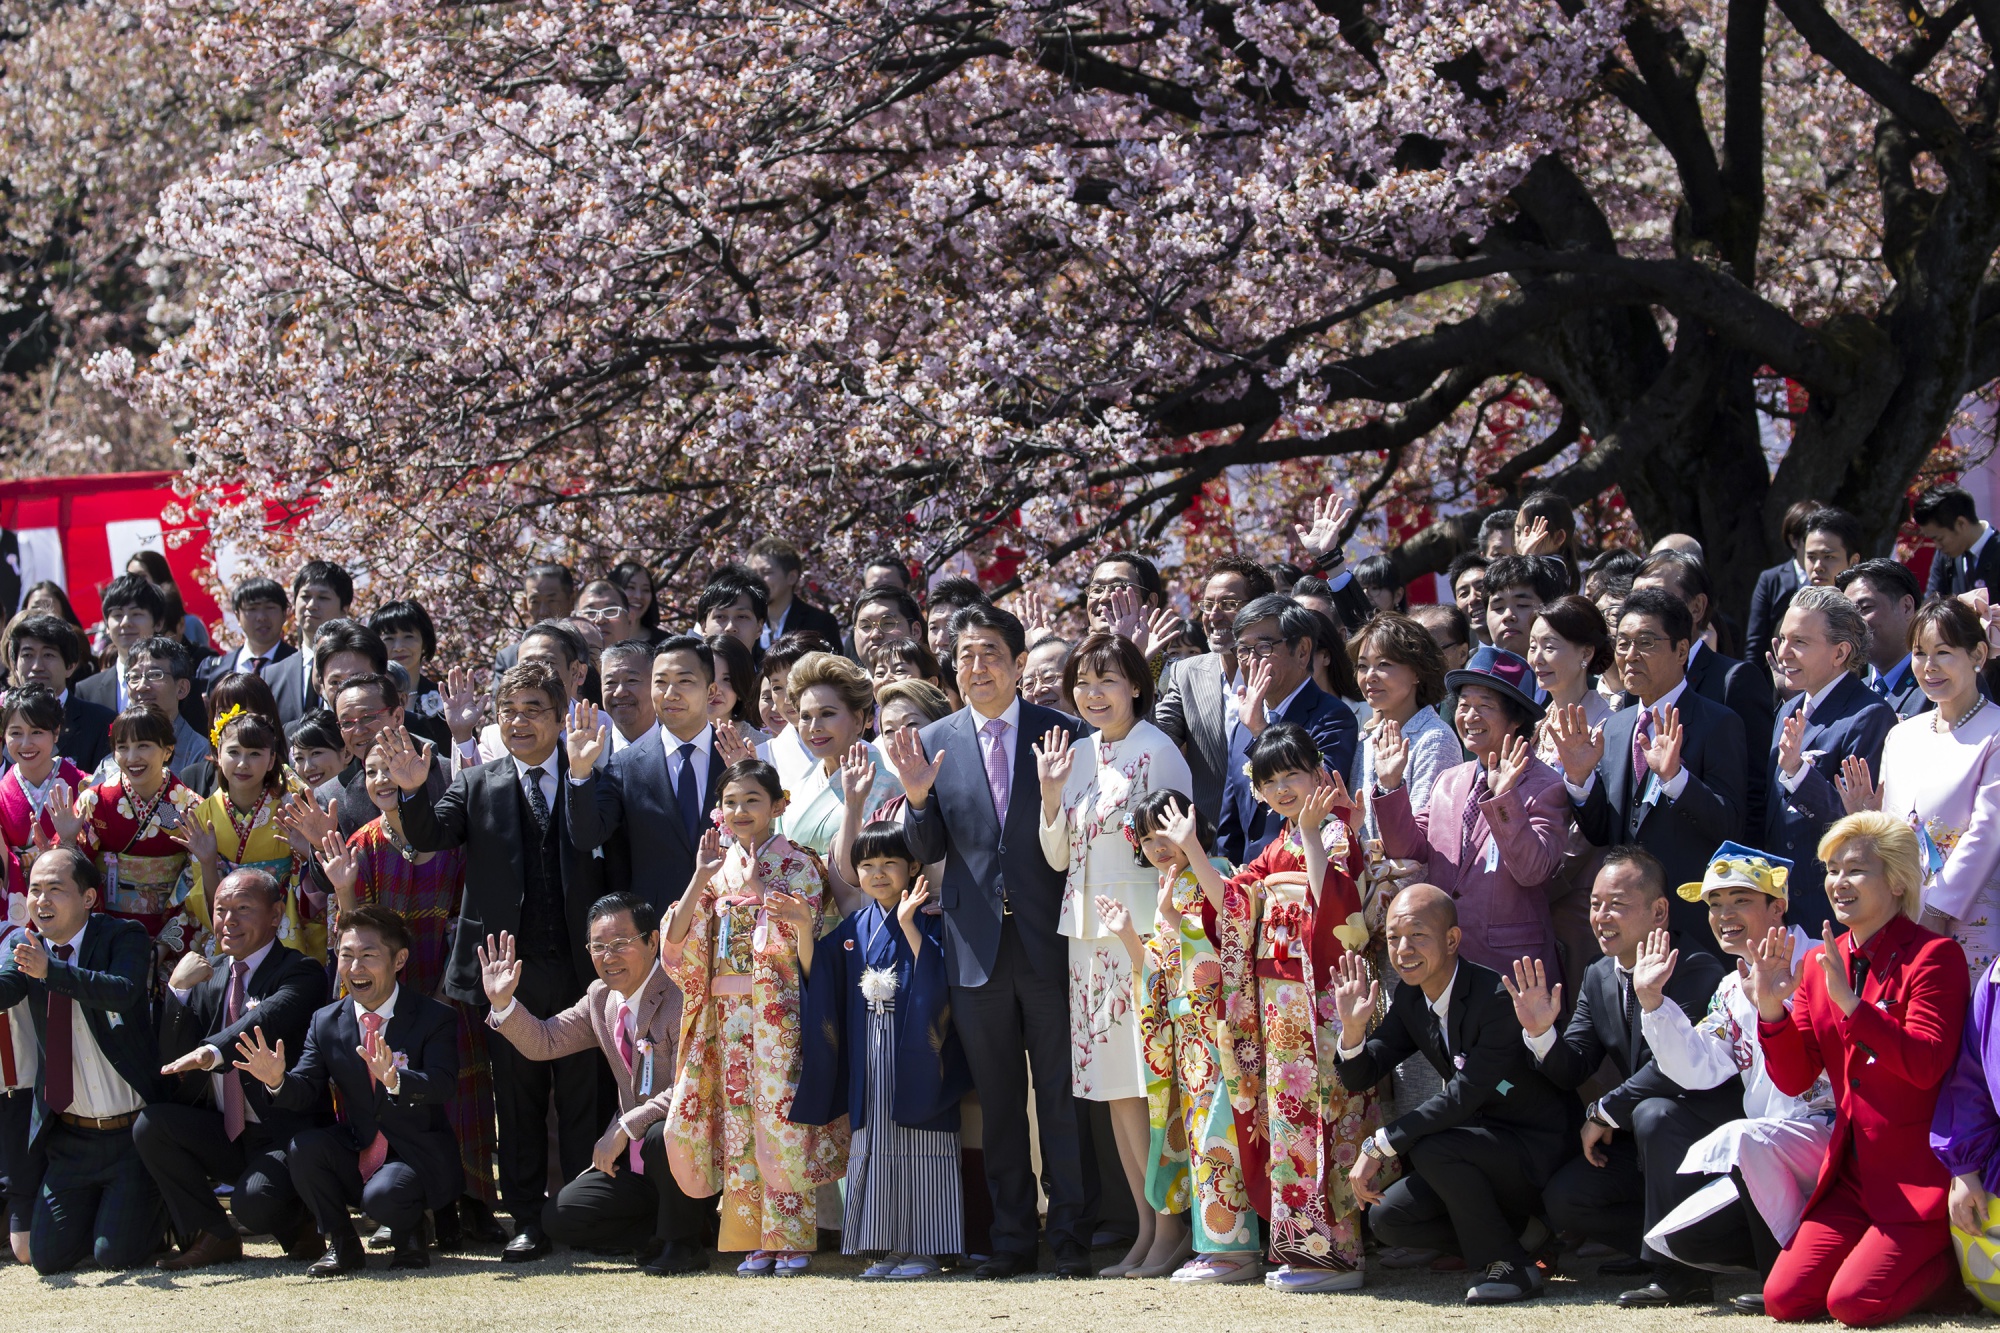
(1949, 725)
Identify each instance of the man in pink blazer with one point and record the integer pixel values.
(1494, 829)
(632, 1013)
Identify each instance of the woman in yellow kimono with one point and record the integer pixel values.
(732, 946)
(1191, 1070)
(236, 828)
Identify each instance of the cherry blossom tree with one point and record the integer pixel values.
(491, 282)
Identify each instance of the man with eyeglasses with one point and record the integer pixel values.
(1669, 772)
(527, 876)
(632, 1014)
(1197, 694)
(159, 675)
(602, 603)
(134, 611)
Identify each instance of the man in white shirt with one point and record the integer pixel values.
(624, 669)
(1967, 556)
(85, 978)
(631, 1013)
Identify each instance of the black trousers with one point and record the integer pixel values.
(629, 1211)
(1641, 1182)
(1735, 1240)
(98, 1201)
(1467, 1191)
(20, 1164)
(1019, 1010)
(187, 1151)
(523, 1089)
(326, 1171)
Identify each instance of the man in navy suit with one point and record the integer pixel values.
(393, 1153)
(1886, 594)
(647, 806)
(261, 610)
(1967, 556)
(1775, 586)
(1667, 773)
(1822, 647)
(525, 874)
(972, 791)
(1274, 645)
(84, 978)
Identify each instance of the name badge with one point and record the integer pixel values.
(646, 1079)
(1492, 854)
(1653, 790)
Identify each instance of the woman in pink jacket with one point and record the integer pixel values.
(1494, 829)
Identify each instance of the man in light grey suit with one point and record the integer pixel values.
(974, 803)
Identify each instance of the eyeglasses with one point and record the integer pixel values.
(147, 676)
(610, 947)
(349, 725)
(1105, 587)
(878, 624)
(600, 613)
(1643, 645)
(1222, 606)
(1258, 648)
(524, 714)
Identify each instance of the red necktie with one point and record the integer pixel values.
(377, 1152)
(257, 665)
(59, 1079)
(626, 1021)
(232, 1078)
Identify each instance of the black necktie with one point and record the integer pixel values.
(1857, 970)
(538, 803)
(686, 794)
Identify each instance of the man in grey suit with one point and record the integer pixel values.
(973, 804)
(1196, 702)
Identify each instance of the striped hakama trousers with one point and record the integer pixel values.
(903, 1185)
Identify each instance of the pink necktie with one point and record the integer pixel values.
(626, 1020)
(377, 1152)
(1640, 734)
(997, 777)
(232, 1079)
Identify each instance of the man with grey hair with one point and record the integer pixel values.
(1822, 649)
(625, 675)
(218, 1126)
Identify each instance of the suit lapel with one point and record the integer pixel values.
(962, 744)
(1026, 780)
(1461, 1001)
(1618, 729)
(650, 755)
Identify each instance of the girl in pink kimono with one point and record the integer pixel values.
(1493, 832)
(33, 721)
(732, 946)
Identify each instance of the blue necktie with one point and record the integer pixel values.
(686, 793)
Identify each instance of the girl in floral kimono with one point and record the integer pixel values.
(1191, 1070)
(128, 826)
(235, 827)
(1280, 925)
(32, 720)
(734, 953)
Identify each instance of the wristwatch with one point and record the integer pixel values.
(1594, 1113)
(1333, 559)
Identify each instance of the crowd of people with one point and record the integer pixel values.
(1559, 921)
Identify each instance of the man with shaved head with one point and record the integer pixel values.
(1478, 1152)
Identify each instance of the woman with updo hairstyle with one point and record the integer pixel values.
(1401, 674)
(835, 702)
(1941, 774)
(1568, 645)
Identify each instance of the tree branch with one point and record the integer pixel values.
(1923, 112)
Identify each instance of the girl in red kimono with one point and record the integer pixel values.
(32, 719)
(1280, 925)
(1880, 1010)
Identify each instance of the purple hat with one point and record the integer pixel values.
(1499, 670)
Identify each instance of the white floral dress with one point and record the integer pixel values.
(1089, 838)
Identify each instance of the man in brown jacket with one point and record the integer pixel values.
(632, 1013)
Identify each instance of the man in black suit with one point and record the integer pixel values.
(261, 610)
(134, 611)
(648, 805)
(1636, 1135)
(1743, 689)
(393, 1056)
(322, 592)
(43, 650)
(524, 874)
(1197, 704)
(1885, 592)
(347, 650)
(220, 1125)
(1477, 1152)
(1967, 556)
(1772, 596)
(85, 980)
(782, 568)
(1667, 773)
(972, 803)
(364, 706)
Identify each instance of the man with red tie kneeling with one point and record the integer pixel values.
(84, 979)
(391, 1056)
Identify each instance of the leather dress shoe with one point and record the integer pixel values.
(410, 1251)
(675, 1258)
(1006, 1265)
(380, 1239)
(1072, 1261)
(208, 1248)
(1750, 1302)
(346, 1256)
(529, 1243)
(446, 1229)
(477, 1222)
(304, 1244)
(1664, 1291)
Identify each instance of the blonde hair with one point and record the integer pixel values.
(845, 678)
(921, 695)
(1894, 843)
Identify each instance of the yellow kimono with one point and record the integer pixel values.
(252, 839)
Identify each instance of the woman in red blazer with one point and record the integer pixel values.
(1880, 1010)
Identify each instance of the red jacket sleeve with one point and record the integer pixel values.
(1791, 1047)
(1923, 1046)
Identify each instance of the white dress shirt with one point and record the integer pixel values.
(101, 1091)
(1791, 781)
(1671, 790)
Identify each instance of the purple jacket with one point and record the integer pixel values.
(1503, 912)
(1965, 1132)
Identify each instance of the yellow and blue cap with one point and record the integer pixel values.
(1737, 866)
